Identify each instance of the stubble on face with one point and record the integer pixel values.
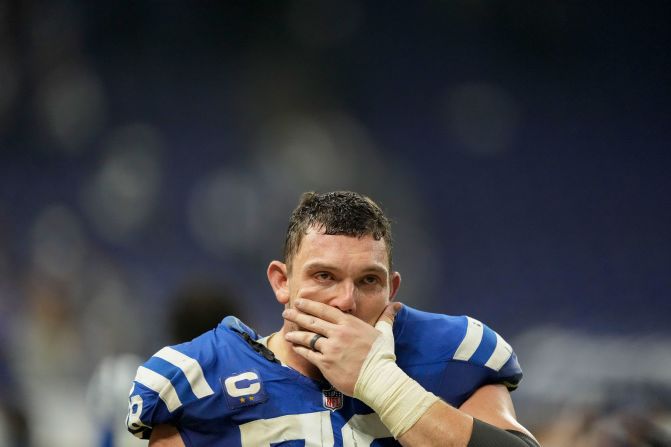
(344, 256)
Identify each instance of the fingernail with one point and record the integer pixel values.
(285, 312)
(299, 302)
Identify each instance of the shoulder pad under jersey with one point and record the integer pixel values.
(424, 337)
(169, 381)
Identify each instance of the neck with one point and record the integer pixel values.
(283, 351)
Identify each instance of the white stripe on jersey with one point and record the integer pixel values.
(501, 354)
(159, 384)
(471, 341)
(191, 369)
(314, 428)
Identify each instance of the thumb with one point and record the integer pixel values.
(388, 315)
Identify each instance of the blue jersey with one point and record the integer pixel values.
(225, 389)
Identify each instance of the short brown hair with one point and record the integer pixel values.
(339, 212)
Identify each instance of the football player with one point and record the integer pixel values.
(349, 367)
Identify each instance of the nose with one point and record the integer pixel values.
(345, 297)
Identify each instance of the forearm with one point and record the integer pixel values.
(165, 436)
(417, 417)
(443, 425)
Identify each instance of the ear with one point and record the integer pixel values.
(395, 284)
(279, 281)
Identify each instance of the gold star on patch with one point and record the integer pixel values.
(251, 397)
(242, 400)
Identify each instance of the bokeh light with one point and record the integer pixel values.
(121, 196)
(58, 243)
(71, 103)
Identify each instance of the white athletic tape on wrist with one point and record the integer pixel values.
(398, 399)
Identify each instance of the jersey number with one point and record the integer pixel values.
(314, 428)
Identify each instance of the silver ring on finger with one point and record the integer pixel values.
(313, 342)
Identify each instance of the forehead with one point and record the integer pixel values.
(317, 246)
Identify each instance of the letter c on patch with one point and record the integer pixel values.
(233, 390)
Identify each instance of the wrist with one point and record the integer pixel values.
(398, 400)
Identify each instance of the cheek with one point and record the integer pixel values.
(370, 308)
(311, 291)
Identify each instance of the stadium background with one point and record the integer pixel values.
(521, 148)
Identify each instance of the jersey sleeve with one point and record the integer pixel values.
(453, 356)
(484, 348)
(164, 385)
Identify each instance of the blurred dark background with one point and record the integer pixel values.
(521, 149)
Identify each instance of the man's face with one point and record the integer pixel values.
(346, 272)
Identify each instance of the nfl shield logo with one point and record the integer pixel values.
(332, 399)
